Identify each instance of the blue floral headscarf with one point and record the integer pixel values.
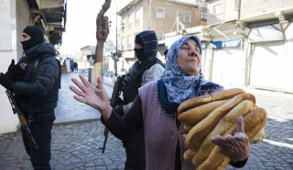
(176, 86)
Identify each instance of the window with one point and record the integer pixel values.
(160, 35)
(137, 17)
(204, 14)
(122, 24)
(129, 21)
(123, 43)
(187, 17)
(161, 13)
(129, 42)
(218, 9)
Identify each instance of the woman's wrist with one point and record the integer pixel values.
(106, 113)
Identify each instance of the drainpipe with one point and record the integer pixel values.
(150, 15)
(177, 22)
(238, 13)
(238, 9)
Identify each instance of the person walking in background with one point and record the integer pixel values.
(165, 54)
(72, 65)
(75, 66)
(35, 81)
(155, 110)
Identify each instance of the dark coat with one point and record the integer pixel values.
(44, 89)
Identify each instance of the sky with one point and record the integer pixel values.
(81, 23)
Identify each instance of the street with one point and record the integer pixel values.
(78, 135)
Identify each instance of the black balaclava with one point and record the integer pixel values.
(148, 40)
(36, 34)
(139, 52)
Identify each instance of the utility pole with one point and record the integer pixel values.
(150, 15)
(116, 54)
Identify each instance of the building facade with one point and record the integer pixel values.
(247, 43)
(15, 16)
(162, 16)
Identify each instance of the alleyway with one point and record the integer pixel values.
(75, 143)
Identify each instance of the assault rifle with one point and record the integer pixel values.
(115, 101)
(22, 120)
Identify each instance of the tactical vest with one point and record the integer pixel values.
(132, 81)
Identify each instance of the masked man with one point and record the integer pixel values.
(148, 68)
(35, 81)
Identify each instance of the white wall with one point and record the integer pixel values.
(8, 121)
(22, 20)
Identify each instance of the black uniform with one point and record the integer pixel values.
(36, 92)
(44, 93)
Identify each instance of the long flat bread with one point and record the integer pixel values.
(225, 124)
(197, 134)
(188, 154)
(258, 137)
(197, 101)
(195, 115)
(254, 121)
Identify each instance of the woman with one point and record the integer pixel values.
(155, 110)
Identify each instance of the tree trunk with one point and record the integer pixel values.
(98, 64)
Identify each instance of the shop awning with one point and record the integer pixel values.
(229, 43)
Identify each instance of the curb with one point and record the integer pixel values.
(76, 122)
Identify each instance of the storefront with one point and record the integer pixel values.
(228, 63)
(271, 59)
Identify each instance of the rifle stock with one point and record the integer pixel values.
(114, 102)
(22, 119)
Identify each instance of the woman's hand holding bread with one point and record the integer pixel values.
(221, 127)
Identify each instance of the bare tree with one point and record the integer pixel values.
(101, 35)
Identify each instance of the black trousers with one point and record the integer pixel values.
(135, 152)
(41, 132)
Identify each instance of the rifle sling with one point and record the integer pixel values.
(31, 109)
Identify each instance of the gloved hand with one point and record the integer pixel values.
(15, 72)
(6, 82)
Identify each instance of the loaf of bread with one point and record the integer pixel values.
(254, 121)
(258, 137)
(224, 125)
(197, 101)
(197, 134)
(188, 154)
(187, 127)
(195, 115)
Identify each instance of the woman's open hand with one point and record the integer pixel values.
(237, 147)
(96, 97)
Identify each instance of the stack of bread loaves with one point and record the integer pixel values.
(216, 114)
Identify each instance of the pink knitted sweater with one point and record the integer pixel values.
(161, 133)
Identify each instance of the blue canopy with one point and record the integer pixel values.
(229, 43)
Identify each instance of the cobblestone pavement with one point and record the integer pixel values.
(68, 109)
(76, 146)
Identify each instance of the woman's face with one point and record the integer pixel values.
(189, 57)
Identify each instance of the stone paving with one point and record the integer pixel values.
(76, 146)
(68, 109)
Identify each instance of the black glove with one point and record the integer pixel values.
(6, 82)
(14, 72)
